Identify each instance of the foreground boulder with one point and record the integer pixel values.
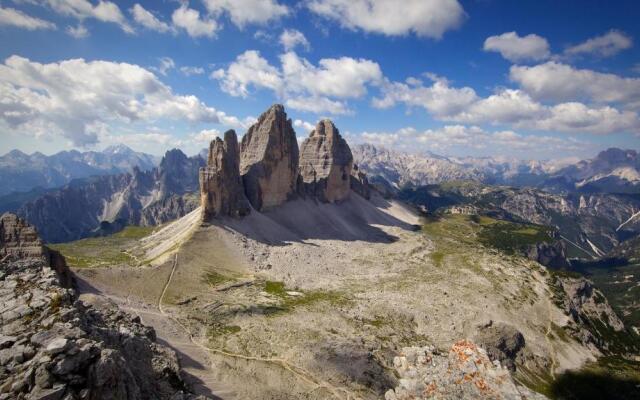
(466, 372)
(269, 159)
(53, 346)
(502, 342)
(221, 188)
(325, 164)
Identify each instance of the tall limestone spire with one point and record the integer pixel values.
(269, 159)
(326, 163)
(220, 184)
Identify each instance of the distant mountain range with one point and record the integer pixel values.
(611, 171)
(105, 204)
(93, 200)
(20, 172)
(591, 224)
(594, 204)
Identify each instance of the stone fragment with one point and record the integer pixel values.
(54, 393)
(7, 341)
(56, 346)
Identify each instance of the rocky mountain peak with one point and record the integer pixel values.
(221, 188)
(269, 159)
(326, 163)
(617, 156)
(173, 157)
(118, 149)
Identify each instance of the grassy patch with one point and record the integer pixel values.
(218, 330)
(213, 278)
(275, 288)
(511, 238)
(539, 382)
(134, 232)
(102, 251)
(377, 322)
(437, 257)
(289, 302)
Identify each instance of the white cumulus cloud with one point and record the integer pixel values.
(245, 12)
(561, 82)
(427, 18)
(13, 17)
(291, 38)
(189, 71)
(78, 32)
(302, 85)
(304, 125)
(510, 107)
(517, 48)
(104, 11)
(147, 19)
(190, 20)
(249, 69)
(607, 45)
(76, 98)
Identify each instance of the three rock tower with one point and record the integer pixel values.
(268, 169)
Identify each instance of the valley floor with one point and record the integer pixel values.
(314, 300)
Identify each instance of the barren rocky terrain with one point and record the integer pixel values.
(249, 294)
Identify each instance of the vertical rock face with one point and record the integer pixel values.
(19, 239)
(360, 182)
(220, 183)
(269, 159)
(326, 163)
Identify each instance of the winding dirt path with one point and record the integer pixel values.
(196, 363)
(299, 372)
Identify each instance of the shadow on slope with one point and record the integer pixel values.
(299, 220)
(615, 380)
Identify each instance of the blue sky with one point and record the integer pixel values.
(526, 79)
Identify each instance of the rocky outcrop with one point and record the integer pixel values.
(169, 208)
(359, 182)
(269, 159)
(502, 342)
(221, 187)
(582, 299)
(592, 320)
(466, 372)
(54, 346)
(553, 255)
(19, 240)
(326, 164)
